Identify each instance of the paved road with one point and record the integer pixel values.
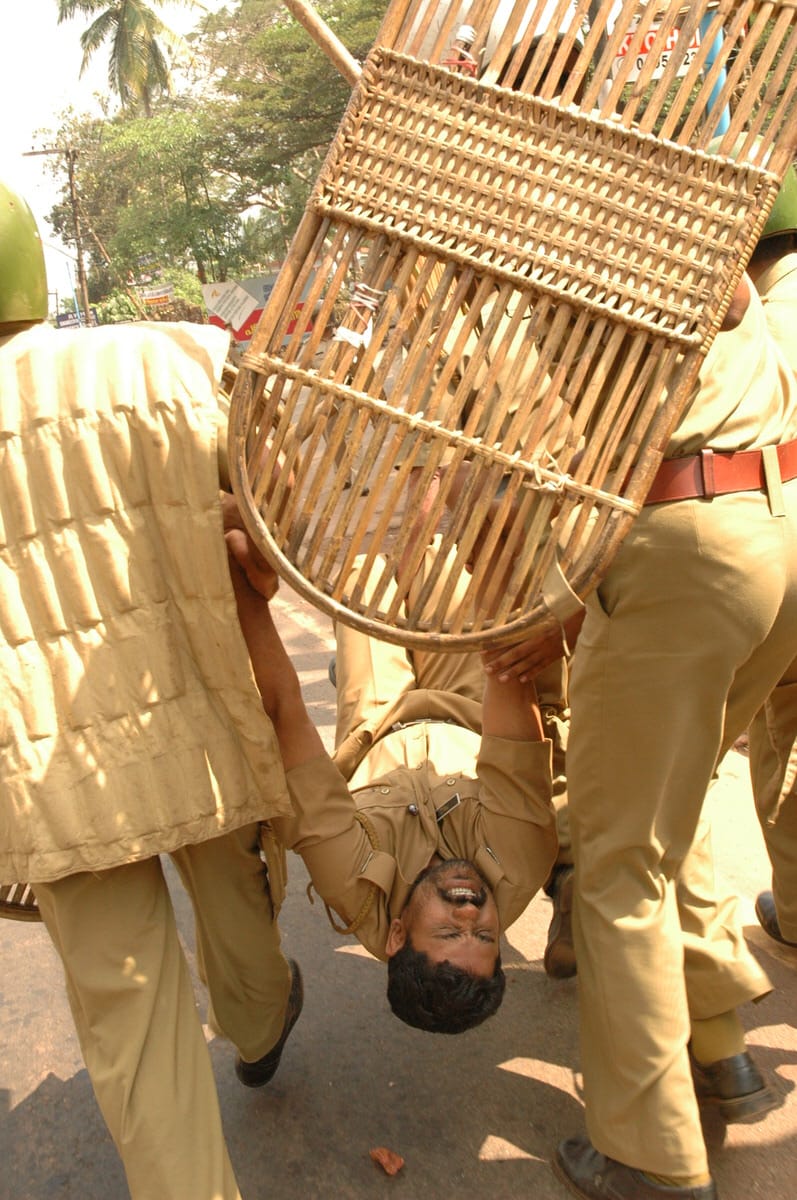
(476, 1115)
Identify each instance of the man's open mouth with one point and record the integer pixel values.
(464, 895)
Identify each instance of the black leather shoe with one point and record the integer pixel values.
(735, 1086)
(589, 1173)
(559, 959)
(255, 1074)
(768, 918)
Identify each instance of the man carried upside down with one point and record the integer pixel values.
(431, 828)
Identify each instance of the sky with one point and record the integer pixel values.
(38, 82)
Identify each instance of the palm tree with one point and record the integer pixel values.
(138, 67)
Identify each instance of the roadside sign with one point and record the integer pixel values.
(73, 321)
(236, 305)
(158, 297)
(642, 52)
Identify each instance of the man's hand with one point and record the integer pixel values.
(243, 551)
(523, 660)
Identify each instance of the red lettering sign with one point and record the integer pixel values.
(649, 40)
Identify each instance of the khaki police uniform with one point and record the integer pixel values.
(691, 628)
(773, 733)
(424, 781)
(721, 973)
(131, 727)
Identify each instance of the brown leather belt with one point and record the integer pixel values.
(717, 472)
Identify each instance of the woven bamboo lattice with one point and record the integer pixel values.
(516, 256)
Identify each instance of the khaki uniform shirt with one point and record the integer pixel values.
(777, 287)
(130, 723)
(745, 393)
(430, 787)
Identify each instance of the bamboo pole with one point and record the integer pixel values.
(323, 36)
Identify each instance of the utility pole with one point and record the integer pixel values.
(71, 158)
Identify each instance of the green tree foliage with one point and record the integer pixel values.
(116, 307)
(148, 198)
(140, 45)
(215, 179)
(285, 98)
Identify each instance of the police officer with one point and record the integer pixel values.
(689, 631)
(773, 733)
(432, 828)
(131, 724)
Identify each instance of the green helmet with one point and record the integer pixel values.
(23, 283)
(783, 214)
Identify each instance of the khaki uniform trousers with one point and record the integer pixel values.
(720, 972)
(130, 992)
(372, 674)
(552, 688)
(773, 771)
(694, 624)
(773, 733)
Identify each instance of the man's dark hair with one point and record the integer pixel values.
(439, 997)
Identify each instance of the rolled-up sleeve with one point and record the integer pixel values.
(343, 864)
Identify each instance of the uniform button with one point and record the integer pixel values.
(450, 782)
(385, 791)
(412, 809)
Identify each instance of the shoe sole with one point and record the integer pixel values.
(744, 1110)
(609, 1188)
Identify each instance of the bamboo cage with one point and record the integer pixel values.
(516, 256)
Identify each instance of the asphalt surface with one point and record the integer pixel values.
(476, 1115)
